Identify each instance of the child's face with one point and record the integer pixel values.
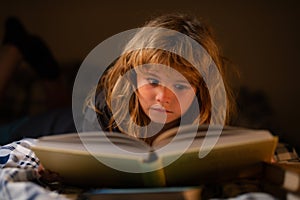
(164, 94)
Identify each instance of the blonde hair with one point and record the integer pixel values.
(128, 111)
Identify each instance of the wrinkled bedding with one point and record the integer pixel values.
(19, 177)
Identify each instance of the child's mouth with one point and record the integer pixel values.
(160, 109)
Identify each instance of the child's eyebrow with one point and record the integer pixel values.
(183, 81)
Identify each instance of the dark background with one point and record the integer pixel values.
(260, 37)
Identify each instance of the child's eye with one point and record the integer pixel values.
(153, 81)
(180, 87)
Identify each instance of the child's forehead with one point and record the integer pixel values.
(158, 68)
(162, 70)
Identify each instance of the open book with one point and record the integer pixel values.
(189, 155)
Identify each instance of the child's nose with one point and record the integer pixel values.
(164, 94)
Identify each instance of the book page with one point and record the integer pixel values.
(102, 140)
(85, 170)
(189, 132)
(220, 164)
(235, 149)
(88, 159)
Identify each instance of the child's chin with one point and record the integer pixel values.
(160, 120)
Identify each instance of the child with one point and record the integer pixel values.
(146, 88)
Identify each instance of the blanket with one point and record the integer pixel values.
(19, 173)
